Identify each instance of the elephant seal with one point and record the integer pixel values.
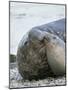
(33, 57)
(55, 48)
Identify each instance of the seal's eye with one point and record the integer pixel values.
(54, 37)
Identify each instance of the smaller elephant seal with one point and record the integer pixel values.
(55, 48)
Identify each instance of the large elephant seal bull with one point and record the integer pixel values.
(41, 52)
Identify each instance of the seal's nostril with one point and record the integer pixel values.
(47, 38)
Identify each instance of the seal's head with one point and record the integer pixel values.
(55, 48)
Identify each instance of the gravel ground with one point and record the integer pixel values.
(16, 81)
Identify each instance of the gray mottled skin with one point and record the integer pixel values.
(56, 28)
(32, 55)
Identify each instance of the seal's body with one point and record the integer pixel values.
(56, 28)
